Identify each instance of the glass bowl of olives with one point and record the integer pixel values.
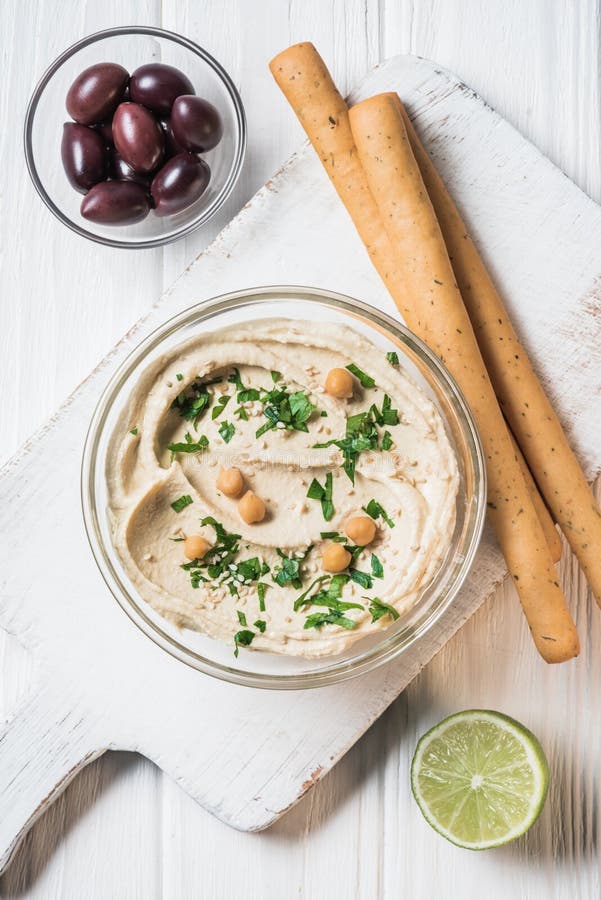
(135, 137)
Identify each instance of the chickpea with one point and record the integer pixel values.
(251, 508)
(361, 530)
(335, 558)
(195, 546)
(230, 482)
(339, 383)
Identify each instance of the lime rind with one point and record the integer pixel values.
(479, 771)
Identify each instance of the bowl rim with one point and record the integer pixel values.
(386, 650)
(233, 175)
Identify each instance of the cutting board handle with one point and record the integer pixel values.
(41, 749)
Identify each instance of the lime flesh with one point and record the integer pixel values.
(479, 778)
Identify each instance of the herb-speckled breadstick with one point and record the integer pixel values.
(432, 306)
(520, 393)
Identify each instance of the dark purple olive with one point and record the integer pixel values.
(156, 86)
(122, 171)
(95, 94)
(179, 183)
(105, 130)
(196, 124)
(115, 203)
(172, 148)
(138, 137)
(84, 156)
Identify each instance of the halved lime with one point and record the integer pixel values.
(479, 778)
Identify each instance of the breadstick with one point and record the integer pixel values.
(520, 393)
(307, 85)
(544, 516)
(304, 79)
(432, 306)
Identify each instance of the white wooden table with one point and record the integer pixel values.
(124, 830)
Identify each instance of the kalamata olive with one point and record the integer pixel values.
(137, 137)
(105, 130)
(196, 124)
(84, 156)
(115, 203)
(172, 148)
(156, 86)
(95, 94)
(179, 183)
(122, 171)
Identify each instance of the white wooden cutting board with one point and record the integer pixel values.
(248, 755)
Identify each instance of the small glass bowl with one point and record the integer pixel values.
(131, 46)
(256, 668)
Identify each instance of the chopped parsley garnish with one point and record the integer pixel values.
(318, 619)
(243, 394)
(375, 510)
(333, 536)
(261, 625)
(190, 446)
(241, 413)
(290, 570)
(387, 415)
(243, 639)
(134, 431)
(377, 569)
(326, 596)
(387, 441)
(378, 609)
(291, 410)
(193, 402)
(393, 357)
(323, 494)
(276, 376)
(220, 405)
(261, 588)
(179, 376)
(181, 503)
(218, 565)
(362, 578)
(361, 434)
(366, 380)
(241, 617)
(227, 431)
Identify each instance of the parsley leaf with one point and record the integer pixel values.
(227, 431)
(324, 494)
(387, 415)
(241, 617)
(243, 639)
(318, 619)
(181, 503)
(362, 578)
(377, 569)
(189, 446)
(193, 402)
(366, 380)
(361, 434)
(387, 441)
(378, 609)
(393, 357)
(261, 625)
(134, 431)
(292, 410)
(290, 570)
(220, 405)
(276, 376)
(328, 596)
(261, 588)
(179, 376)
(375, 510)
(333, 536)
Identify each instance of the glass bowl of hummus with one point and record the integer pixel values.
(283, 487)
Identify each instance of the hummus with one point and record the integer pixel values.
(253, 397)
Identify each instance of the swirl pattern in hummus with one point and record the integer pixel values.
(413, 481)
